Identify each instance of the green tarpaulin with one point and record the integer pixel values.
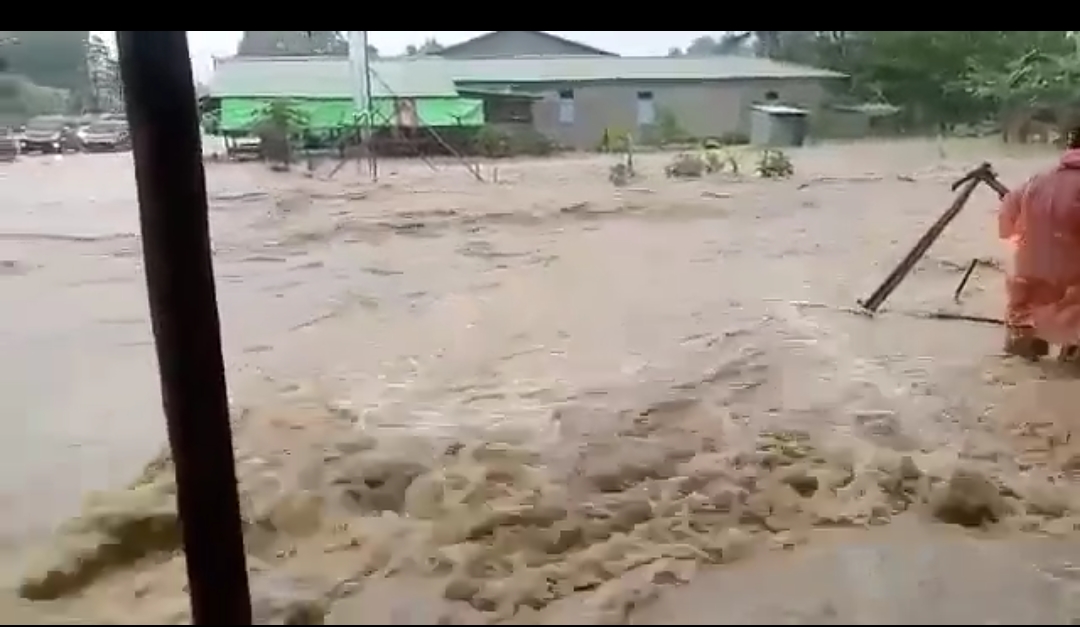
(239, 114)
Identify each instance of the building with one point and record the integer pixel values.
(501, 44)
(576, 93)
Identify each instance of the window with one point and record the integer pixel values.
(566, 106)
(646, 109)
(771, 96)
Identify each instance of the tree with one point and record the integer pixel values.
(292, 43)
(1040, 87)
(925, 72)
(49, 58)
(276, 125)
(105, 91)
(430, 46)
(729, 43)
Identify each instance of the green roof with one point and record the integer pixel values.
(431, 77)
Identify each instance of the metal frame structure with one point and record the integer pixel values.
(159, 92)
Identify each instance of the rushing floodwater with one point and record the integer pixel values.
(428, 300)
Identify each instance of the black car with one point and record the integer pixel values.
(106, 136)
(50, 134)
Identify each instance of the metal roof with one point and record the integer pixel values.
(559, 69)
(328, 77)
(324, 77)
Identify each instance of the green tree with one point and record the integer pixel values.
(105, 91)
(729, 43)
(272, 43)
(430, 46)
(277, 124)
(925, 72)
(52, 58)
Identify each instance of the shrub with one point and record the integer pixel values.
(496, 143)
(774, 164)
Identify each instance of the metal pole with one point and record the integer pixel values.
(360, 68)
(161, 109)
(373, 159)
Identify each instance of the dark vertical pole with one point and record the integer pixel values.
(161, 109)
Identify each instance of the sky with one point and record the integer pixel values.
(206, 44)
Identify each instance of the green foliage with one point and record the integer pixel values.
(496, 143)
(277, 124)
(21, 99)
(720, 160)
(492, 142)
(1035, 78)
(686, 166)
(613, 139)
(668, 127)
(105, 91)
(280, 117)
(50, 58)
(937, 77)
(292, 43)
(774, 164)
(731, 138)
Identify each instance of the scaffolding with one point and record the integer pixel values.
(363, 78)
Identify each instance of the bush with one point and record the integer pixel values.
(613, 140)
(531, 143)
(774, 164)
(686, 166)
(732, 138)
(668, 128)
(496, 143)
(492, 142)
(719, 160)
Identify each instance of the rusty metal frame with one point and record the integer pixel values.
(159, 93)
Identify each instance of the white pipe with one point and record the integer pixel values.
(360, 74)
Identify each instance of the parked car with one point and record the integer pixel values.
(50, 134)
(243, 147)
(9, 145)
(106, 136)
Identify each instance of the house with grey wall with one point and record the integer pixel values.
(577, 92)
(583, 91)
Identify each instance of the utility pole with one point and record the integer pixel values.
(360, 70)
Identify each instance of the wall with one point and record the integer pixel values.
(702, 109)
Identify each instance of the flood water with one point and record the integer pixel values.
(430, 302)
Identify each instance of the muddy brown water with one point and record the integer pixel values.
(427, 302)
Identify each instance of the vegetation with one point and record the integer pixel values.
(47, 72)
(686, 166)
(939, 78)
(21, 99)
(430, 46)
(105, 89)
(50, 58)
(278, 43)
(273, 43)
(774, 164)
(496, 143)
(277, 125)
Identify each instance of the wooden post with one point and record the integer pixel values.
(161, 108)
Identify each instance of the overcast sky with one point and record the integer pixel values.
(206, 44)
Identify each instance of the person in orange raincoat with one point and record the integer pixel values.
(1041, 220)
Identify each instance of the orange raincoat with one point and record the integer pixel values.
(1042, 222)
